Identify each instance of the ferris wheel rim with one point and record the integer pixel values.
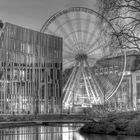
(72, 9)
(93, 12)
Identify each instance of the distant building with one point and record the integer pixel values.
(30, 71)
(127, 97)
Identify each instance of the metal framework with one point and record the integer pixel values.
(87, 42)
(30, 71)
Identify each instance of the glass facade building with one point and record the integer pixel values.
(30, 71)
(64, 132)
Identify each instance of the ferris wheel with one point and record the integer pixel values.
(90, 48)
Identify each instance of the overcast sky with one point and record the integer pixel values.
(33, 13)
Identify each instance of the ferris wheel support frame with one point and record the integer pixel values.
(93, 79)
(89, 89)
(71, 86)
(69, 83)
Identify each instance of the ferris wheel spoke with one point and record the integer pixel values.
(69, 57)
(87, 28)
(93, 45)
(79, 45)
(68, 62)
(93, 37)
(78, 26)
(84, 44)
(70, 48)
(76, 46)
(97, 53)
(67, 52)
(63, 31)
(71, 28)
(68, 65)
(100, 49)
(97, 38)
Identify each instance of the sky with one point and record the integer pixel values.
(33, 13)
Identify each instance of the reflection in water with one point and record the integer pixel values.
(65, 132)
(108, 137)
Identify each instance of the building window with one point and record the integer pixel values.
(96, 71)
(138, 90)
(116, 69)
(138, 78)
(105, 70)
(111, 70)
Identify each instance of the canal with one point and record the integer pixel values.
(57, 132)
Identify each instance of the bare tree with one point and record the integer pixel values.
(125, 17)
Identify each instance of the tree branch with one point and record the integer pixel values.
(121, 17)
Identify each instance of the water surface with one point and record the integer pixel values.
(54, 132)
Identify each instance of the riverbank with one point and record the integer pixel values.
(125, 123)
(47, 119)
(17, 124)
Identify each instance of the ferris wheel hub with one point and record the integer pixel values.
(80, 57)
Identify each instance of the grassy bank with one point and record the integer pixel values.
(125, 123)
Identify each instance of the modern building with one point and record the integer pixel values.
(30, 71)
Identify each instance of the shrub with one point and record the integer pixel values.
(121, 124)
(110, 128)
(134, 127)
(13, 118)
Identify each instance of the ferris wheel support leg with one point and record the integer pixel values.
(86, 86)
(87, 89)
(94, 91)
(98, 88)
(70, 78)
(72, 85)
(69, 84)
(94, 81)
